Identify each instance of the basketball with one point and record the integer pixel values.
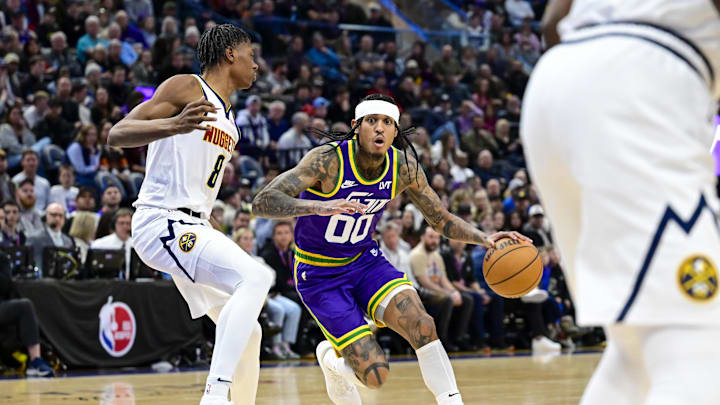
(512, 268)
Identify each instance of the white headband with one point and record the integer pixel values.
(370, 107)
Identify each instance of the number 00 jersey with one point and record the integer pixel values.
(339, 239)
(185, 170)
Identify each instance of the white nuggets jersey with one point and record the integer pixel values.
(696, 20)
(185, 170)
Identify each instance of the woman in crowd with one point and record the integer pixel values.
(84, 155)
(82, 231)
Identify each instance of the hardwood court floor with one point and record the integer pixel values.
(483, 381)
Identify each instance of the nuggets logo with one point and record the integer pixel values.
(187, 241)
(698, 278)
(117, 328)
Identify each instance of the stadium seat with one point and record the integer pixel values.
(136, 180)
(104, 179)
(249, 168)
(52, 157)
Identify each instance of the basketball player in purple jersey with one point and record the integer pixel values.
(340, 273)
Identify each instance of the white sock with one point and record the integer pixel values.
(245, 378)
(438, 373)
(217, 386)
(340, 365)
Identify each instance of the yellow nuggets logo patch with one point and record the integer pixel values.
(187, 241)
(698, 278)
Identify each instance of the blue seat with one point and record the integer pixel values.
(249, 168)
(104, 179)
(52, 157)
(134, 184)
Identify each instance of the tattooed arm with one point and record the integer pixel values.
(278, 199)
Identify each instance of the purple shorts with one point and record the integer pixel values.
(338, 297)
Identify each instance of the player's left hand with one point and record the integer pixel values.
(502, 235)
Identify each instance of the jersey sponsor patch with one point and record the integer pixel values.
(186, 242)
(698, 278)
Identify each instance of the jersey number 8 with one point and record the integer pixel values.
(216, 171)
(354, 230)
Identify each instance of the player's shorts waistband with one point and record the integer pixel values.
(316, 259)
(663, 37)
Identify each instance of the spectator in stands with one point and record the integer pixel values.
(139, 9)
(87, 42)
(118, 88)
(429, 270)
(294, 143)
(241, 220)
(7, 187)
(377, 19)
(447, 65)
(54, 125)
(21, 313)
(279, 254)
(120, 238)
(486, 169)
(537, 227)
(35, 81)
(82, 231)
(41, 194)
(282, 310)
(278, 80)
(129, 32)
(84, 155)
(175, 67)
(50, 235)
(110, 199)
(79, 94)
(324, 58)
(11, 61)
(36, 112)
(461, 272)
(254, 128)
(61, 57)
(102, 107)
(12, 234)
(84, 202)
(16, 136)
(70, 108)
(64, 193)
(277, 124)
(30, 217)
(518, 11)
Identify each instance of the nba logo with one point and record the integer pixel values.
(117, 328)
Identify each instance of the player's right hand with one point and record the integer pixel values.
(332, 207)
(194, 115)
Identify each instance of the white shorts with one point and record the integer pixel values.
(616, 132)
(205, 265)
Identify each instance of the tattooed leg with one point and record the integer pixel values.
(406, 315)
(368, 361)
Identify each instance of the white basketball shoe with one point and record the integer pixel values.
(340, 390)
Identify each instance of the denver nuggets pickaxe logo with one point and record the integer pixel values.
(187, 241)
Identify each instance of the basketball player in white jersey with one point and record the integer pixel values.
(191, 134)
(616, 126)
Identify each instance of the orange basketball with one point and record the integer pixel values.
(512, 268)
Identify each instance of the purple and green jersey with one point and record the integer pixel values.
(339, 239)
(340, 272)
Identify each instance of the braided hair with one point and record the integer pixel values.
(401, 141)
(214, 42)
